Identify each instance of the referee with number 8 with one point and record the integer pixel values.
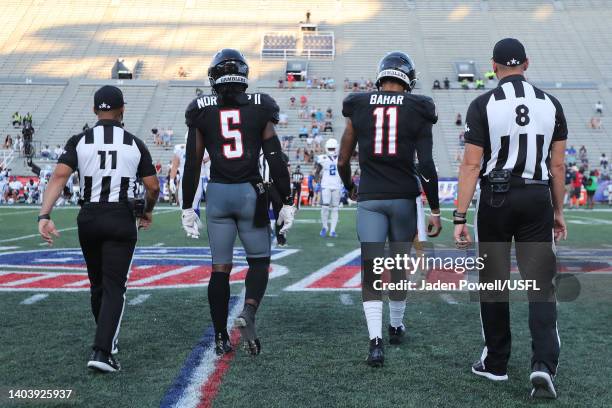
(515, 144)
(109, 159)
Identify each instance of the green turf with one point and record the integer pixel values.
(313, 345)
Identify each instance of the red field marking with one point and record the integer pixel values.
(16, 276)
(337, 278)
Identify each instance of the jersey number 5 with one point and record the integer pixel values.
(233, 149)
(379, 127)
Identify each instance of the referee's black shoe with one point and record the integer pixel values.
(222, 344)
(103, 362)
(542, 381)
(479, 368)
(376, 354)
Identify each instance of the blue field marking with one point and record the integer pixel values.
(174, 393)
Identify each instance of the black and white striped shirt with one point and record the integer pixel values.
(109, 160)
(516, 124)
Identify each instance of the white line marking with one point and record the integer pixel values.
(34, 298)
(346, 299)
(326, 270)
(139, 299)
(159, 244)
(8, 248)
(448, 298)
(25, 281)
(34, 235)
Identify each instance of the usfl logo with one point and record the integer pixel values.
(152, 268)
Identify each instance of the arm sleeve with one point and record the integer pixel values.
(69, 156)
(145, 165)
(348, 106)
(476, 128)
(427, 168)
(560, 132)
(278, 167)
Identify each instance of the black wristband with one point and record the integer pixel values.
(457, 214)
(289, 200)
(44, 217)
(460, 222)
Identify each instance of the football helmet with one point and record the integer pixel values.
(399, 66)
(228, 66)
(331, 146)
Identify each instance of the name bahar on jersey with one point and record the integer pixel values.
(330, 179)
(515, 125)
(109, 160)
(390, 127)
(233, 134)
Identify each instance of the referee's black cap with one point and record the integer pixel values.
(108, 98)
(509, 52)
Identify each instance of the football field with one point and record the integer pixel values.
(311, 325)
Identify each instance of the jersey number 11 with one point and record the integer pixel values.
(379, 130)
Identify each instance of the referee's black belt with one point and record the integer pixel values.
(98, 206)
(516, 181)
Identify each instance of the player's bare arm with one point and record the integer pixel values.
(557, 186)
(174, 167)
(151, 184)
(468, 177)
(56, 185)
(347, 148)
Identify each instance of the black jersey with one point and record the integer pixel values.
(390, 127)
(233, 134)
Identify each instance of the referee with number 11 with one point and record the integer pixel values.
(109, 160)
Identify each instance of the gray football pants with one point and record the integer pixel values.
(230, 209)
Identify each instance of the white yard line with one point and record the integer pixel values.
(28, 280)
(346, 299)
(312, 278)
(34, 298)
(163, 275)
(139, 299)
(448, 298)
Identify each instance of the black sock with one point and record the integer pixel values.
(257, 278)
(218, 299)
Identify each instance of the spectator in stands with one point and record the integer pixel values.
(462, 139)
(57, 152)
(27, 120)
(8, 142)
(490, 75)
(283, 119)
(15, 187)
(446, 83)
(328, 126)
(18, 146)
(319, 115)
(331, 83)
(603, 161)
(458, 120)
(329, 113)
(583, 156)
(599, 108)
(292, 101)
(16, 119)
(311, 181)
(465, 84)
(355, 86)
(281, 83)
(290, 80)
(303, 132)
(167, 137)
(45, 153)
(302, 113)
(307, 156)
(315, 81)
(308, 83)
(480, 83)
(182, 73)
(310, 141)
(570, 156)
(591, 189)
(85, 127)
(576, 188)
(303, 101)
(436, 85)
(595, 123)
(318, 140)
(199, 92)
(347, 84)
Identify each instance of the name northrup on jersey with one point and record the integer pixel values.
(211, 100)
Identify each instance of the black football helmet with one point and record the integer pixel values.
(399, 66)
(228, 67)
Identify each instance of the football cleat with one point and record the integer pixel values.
(542, 381)
(478, 368)
(222, 344)
(246, 324)
(376, 356)
(396, 334)
(333, 234)
(103, 362)
(323, 232)
(115, 349)
(281, 240)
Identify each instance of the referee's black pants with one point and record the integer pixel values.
(107, 234)
(524, 213)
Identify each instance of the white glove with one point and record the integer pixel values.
(191, 223)
(286, 216)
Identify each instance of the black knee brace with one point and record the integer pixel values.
(257, 278)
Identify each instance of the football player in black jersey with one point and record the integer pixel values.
(390, 125)
(234, 127)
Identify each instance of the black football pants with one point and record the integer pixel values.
(107, 233)
(524, 214)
